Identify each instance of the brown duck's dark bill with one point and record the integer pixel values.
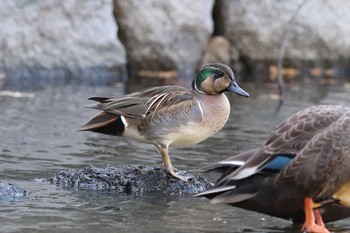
(236, 89)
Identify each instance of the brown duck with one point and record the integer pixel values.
(301, 172)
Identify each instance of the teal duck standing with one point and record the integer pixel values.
(301, 172)
(169, 115)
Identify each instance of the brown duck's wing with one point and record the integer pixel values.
(237, 160)
(223, 184)
(322, 167)
(291, 136)
(293, 133)
(137, 105)
(228, 166)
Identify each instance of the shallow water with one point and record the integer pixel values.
(38, 139)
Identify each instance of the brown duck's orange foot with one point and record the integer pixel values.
(314, 228)
(318, 218)
(311, 217)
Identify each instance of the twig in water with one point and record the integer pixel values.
(281, 52)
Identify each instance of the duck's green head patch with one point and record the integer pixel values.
(202, 76)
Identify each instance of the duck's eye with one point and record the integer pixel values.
(218, 74)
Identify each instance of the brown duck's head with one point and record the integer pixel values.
(215, 79)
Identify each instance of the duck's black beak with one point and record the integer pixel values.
(236, 89)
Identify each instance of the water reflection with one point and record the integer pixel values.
(38, 139)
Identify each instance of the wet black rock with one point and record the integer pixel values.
(9, 192)
(129, 179)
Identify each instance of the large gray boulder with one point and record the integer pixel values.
(166, 36)
(257, 29)
(59, 40)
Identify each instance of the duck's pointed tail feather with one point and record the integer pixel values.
(105, 123)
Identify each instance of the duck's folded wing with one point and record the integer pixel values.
(323, 165)
(291, 136)
(137, 105)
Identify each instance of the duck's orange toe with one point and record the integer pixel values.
(310, 214)
(314, 228)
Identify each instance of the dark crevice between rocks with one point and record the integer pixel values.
(128, 179)
(240, 64)
(218, 19)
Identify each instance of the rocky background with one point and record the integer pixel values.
(104, 41)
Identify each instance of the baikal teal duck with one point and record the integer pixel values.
(301, 172)
(169, 115)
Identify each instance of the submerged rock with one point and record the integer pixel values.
(9, 192)
(129, 179)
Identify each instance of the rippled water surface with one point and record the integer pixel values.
(38, 139)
